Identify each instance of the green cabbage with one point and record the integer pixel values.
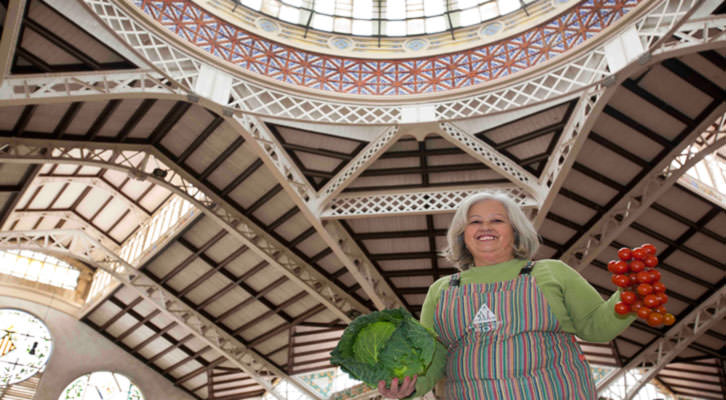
(387, 344)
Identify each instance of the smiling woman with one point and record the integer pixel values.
(509, 322)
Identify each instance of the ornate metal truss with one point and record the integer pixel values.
(704, 139)
(66, 215)
(139, 161)
(305, 197)
(79, 245)
(568, 147)
(415, 201)
(178, 71)
(95, 182)
(656, 356)
(491, 158)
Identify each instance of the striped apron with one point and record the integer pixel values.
(505, 343)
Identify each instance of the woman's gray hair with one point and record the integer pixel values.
(526, 240)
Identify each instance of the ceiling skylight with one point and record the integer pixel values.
(384, 17)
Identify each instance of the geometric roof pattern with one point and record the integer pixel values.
(387, 77)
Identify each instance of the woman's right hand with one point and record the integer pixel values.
(395, 392)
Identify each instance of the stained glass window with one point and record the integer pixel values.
(25, 346)
(101, 385)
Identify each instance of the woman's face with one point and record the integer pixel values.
(488, 235)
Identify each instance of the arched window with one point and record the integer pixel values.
(102, 385)
(25, 346)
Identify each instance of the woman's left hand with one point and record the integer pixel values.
(395, 392)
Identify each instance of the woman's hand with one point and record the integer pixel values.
(396, 392)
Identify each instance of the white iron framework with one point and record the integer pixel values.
(656, 356)
(79, 245)
(140, 161)
(705, 138)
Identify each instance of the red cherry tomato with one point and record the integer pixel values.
(633, 279)
(644, 312)
(659, 287)
(651, 301)
(668, 319)
(650, 261)
(621, 280)
(643, 277)
(662, 297)
(628, 297)
(655, 319)
(654, 275)
(661, 309)
(649, 248)
(620, 267)
(625, 254)
(622, 308)
(637, 305)
(611, 263)
(644, 289)
(637, 266)
(639, 253)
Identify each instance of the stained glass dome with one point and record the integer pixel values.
(25, 346)
(386, 17)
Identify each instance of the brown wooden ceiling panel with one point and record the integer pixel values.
(678, 93)
(650, 116)
(151, 119)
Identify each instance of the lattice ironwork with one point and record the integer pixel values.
(276, 154)
(139, 161)
(706, 138)
(492, 158)
(387, 77)
(68, 216)
(334, 236)
(354, 168)
(567, 148)
(79, 245)
(412, 202)
(577, 74)
(66, 86)
(656, 356)
(95, 182)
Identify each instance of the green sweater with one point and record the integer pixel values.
(577, 306)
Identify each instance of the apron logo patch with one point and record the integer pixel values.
(484, 320)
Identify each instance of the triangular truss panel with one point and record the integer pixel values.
(319, 156)
(530, 140)
(432, 162)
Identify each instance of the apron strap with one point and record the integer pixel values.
(527, 268)
(455, 280)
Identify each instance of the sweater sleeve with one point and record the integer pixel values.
(594, 319)
(429, 305)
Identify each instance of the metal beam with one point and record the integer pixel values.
(425, 201)
(139, 161)
(568, 147)
(705, 138)
(98, 183)
(656, 356)
(10, 35)
(72, 216)
(491, 158)
(335, 237)
(78, 244)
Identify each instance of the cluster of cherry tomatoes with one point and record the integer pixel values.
(643, 292)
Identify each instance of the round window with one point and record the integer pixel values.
(25, 346)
